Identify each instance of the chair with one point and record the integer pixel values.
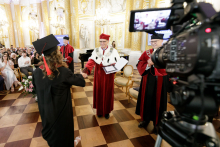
(125, 80)
(134, 93)
(131, 92)
(17, 74)
(22, 74)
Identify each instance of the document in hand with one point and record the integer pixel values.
(115, 68)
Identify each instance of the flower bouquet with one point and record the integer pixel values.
(29, 87)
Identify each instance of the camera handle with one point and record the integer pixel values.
(158, 141)
(175, 131)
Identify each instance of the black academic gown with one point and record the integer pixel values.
(71, 65)
(150, 103)
(152, 96)
(67, 52)
(55, 106)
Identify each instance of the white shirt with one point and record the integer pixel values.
(22, 60)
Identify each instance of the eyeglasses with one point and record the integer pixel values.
(154, 42)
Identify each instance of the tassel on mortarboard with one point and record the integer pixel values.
(49, 72)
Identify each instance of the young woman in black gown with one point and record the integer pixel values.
(52, 81)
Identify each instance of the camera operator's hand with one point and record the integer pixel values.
(150, 63)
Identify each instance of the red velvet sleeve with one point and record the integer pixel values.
(142, 64)
(89, 66)
(70, 51)
(61, 49)
(160, 72)
(70, 59)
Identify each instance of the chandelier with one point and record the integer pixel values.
(3, 21)
(102, 17)
(59, 21)
(33, 23)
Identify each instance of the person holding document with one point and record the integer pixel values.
(67, 52)
(103, 87)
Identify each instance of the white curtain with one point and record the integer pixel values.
(42, 31)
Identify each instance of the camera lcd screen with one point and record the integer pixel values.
(167, 34)
(156, 19)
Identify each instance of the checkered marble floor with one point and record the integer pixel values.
(20, 122)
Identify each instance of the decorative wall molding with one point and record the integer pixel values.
(86, 7)
(116, 6)
(117, 34)
(84, 36)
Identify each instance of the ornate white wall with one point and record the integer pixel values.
(86, 12)
(89, 23)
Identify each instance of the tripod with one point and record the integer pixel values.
(179, 132)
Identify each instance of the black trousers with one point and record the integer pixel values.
(25, 70)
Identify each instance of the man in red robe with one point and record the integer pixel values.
(103, 87)
(152, 97)
(67, 52)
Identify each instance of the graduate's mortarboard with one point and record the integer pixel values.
(46, 46)
(157, 36)
(104, 36)
(66, 38)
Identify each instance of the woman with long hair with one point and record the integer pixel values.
(36, 60)
(52, 82)
(14, 59)
(7, 67)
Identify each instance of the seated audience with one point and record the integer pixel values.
(12, 47)
(24, 63)
(1, 52)
(13, 50)
(7, 67)
(9, 53)
(19, 54)
(14, 59)
(29, 53)
(36, 60)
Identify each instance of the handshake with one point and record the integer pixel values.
(83, 74)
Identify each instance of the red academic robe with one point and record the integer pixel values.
(103, 88)
(68, 55)
(153, 90)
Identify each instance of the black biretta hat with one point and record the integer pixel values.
(157, 36)
(46, 45)
(66, 37)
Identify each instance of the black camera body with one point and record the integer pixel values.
(194, 51)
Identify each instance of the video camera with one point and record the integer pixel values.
(192, 58)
